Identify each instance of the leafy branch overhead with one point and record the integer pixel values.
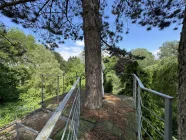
(59, 20)
(151, 13)
(53, 18)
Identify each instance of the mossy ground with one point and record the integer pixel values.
(114, 121)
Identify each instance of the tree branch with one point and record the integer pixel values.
(67, 12)
(41, 9)
(66, 9)
(7, 4)
(105, 44)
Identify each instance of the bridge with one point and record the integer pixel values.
(64, 118)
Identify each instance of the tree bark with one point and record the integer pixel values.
(92, 37)
(182, 82)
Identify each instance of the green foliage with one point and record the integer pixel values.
(11, 78)
(11, 48)
(12, 70)
(74, 66)
(112, 83)
(150, 77)
(109, 63)
(61, 61)
(169, 49)
(163, 76)
(108, 86)
(20, 75)
(126, 79)
(148, 57)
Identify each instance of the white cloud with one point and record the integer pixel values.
(155, 53)
(69, 51)
(105, 53)
(80, 43)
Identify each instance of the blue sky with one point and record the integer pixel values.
(138, 37)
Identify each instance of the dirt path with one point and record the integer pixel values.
(114, 121)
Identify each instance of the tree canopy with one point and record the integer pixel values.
(169, 49)
(151, 13)
(64, 18)
(148, 57)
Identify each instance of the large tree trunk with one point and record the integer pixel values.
(92, 37)
(182, 82)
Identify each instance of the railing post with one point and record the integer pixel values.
(80, 85)
(58, 89)
(79, 94)
(17, 130)
(63, 82)
(49, 126)
(42, 91)
(168, 119)
(139, 112)
(134, 90)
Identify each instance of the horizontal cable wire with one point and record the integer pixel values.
(138, 89)
(153, 113)
(71, 114)
(73, 122)
(147, 133)
(152, 126)
(49, 126)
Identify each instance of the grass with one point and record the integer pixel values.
(12, 111)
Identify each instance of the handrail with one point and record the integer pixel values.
(158, 93)
(150, 90)
(137, 87)
(72, 123)
(139, 81)
(49, 126)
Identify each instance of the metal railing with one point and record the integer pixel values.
(138, 89)
(72, 125)
(61, 82)
(71, 129)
